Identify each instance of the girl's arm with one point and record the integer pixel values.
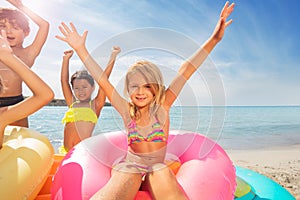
(193, 63)
(35, 48)
(64, 78)
(77, 42)
(41, 92)
(100, 98)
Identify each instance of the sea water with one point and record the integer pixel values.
(233, 127)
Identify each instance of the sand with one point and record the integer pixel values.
(282, 164)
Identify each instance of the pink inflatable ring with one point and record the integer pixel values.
(205, 172)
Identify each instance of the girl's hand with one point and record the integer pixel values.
(223, 23)
(115, 50)
(68, 54)
(16, 3)
(71, 36)
(4, 44)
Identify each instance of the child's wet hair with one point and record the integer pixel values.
(82, 74)
(15, 18)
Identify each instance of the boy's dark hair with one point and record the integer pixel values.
(82, 74)
(14, 17)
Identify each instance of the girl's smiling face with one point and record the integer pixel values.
(141, 93)
(82, 89)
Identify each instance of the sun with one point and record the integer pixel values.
(36, 6)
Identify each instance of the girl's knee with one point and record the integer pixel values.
(162, 170)
(162, 184)
(159, 167)
(120, 186)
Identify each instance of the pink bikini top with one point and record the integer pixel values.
(157, 135)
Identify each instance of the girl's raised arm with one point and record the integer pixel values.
(194, 62)
(64, 78)
(77, 42)
(100, 97)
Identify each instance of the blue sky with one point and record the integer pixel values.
(257, 62)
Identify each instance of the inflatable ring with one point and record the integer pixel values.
(25, 162)
(205, 172)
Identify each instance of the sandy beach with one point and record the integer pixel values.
(281, 164)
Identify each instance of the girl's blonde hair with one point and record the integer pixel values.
(153, 76)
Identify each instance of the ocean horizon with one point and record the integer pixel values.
(232, 127)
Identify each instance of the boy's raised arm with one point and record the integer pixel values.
(42, 34)
(41, 92)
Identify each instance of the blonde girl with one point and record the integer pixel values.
(146, 117)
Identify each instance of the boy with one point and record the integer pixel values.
(16, 25)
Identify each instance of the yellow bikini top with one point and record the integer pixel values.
(80, 114)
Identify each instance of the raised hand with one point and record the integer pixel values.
(223, 23)
(115, 50)
(71, 36)
(68, 54)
